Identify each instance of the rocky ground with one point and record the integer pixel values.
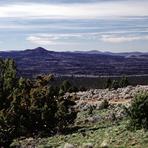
(94, 97)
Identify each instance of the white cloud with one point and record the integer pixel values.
(44, 26)
(57, 36)
(121, 39)
(87, 11)
(50, 39)
(40, 40)
(62, 38)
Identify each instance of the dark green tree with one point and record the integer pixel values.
(65, 87)
(108, 83)
(31, 107)
(8, 81)
(115, 84)
(123, 82)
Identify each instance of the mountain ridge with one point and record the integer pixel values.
(41, 49)
(36, 61)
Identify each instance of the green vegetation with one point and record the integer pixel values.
(100, 82)
(138, 112)
(115, 134)
(37, 108)
(66, 86)
(115, 84)
(31, 107)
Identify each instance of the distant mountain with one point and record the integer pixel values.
(36, 61)
(90, 52)
(112, 53)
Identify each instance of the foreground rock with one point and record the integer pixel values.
(87, 145)
(67, 145)
(104, 144)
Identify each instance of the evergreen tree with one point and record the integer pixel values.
(115, 84)
(123, 82)
(108, 83)
(31, 107)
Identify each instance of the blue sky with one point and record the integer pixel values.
(68, 25)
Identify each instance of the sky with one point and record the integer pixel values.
(74, 25)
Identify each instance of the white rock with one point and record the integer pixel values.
(87, 145)
(68, 145)
(104, 144)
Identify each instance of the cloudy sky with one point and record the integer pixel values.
(68, 25)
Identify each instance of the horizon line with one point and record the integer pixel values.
(72, 51)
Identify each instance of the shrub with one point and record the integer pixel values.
(138, 112)
(104, 104)
(90, 110)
